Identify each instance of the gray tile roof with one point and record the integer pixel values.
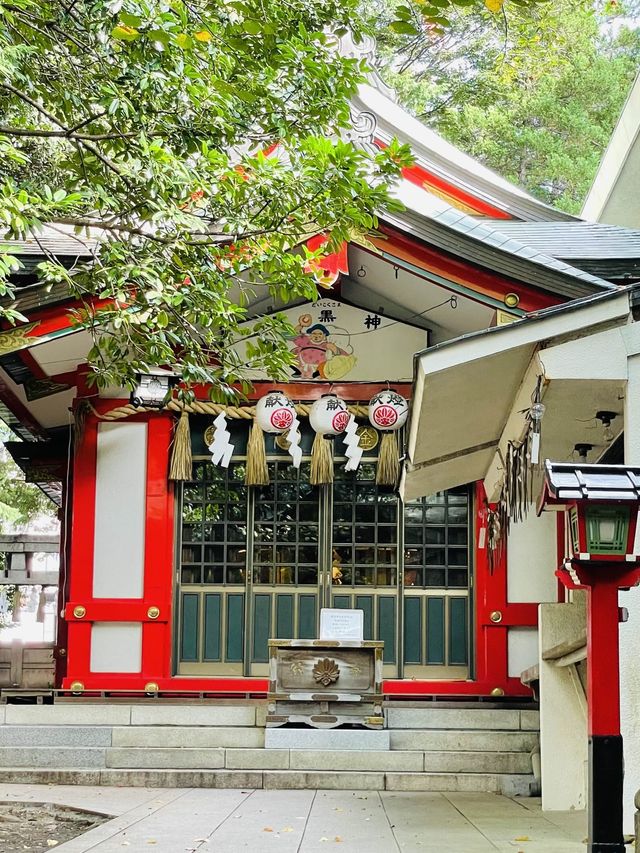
(574, 240)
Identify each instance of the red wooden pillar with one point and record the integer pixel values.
(154, 609)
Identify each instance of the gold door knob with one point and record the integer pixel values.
(153, 612)
(79, 611)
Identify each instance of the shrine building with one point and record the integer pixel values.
(174, 586)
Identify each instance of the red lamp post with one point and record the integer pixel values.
(602, 503)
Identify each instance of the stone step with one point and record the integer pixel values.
(319, 760)
(102, 714)
(77, 736)
(500, 783)
(193, 736)
(467, 740)
(312, 760)
(52, 756)
(503, 719)
(343, 739)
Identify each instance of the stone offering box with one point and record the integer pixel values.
(325, 683)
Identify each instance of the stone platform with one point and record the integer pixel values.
(327, 739)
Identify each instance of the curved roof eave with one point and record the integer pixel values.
(447, 162)
(469, 237)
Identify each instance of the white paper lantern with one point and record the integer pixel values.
(329, 415)
(275, 412)
(388, 410)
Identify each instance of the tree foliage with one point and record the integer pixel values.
(151, 124)
(532, 92)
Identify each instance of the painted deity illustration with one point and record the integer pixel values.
(317, 356)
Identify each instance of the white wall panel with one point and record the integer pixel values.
(532, 559)
(121, 473)
(522, 645)
(116, 647)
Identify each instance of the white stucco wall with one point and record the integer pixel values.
(121, 478)
(532, 558)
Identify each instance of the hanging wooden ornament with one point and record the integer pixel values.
(181, 462)
(388, 412)
(329, 416)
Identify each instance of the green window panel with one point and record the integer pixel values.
(261, 627)
(435, 630)
(412, 630)
(212, 626)
(458, 643)
(307, 617)
(284, 617)
(235, 627)
(189, 633)
(365, 603)
(387, 627)
(342, 601)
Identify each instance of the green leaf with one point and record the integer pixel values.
(252, 26)
(130, 20)
(403, 27)
(124, 33)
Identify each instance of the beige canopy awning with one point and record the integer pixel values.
(471, 394)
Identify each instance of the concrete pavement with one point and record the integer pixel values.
(187, 820)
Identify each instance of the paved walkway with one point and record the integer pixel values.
(186, 820)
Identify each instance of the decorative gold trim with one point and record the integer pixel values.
(19, 338)
(497, 691)
(496, 616)
(151, 687)
(153, 612)
(79, 611)
(76, 687)
(368, 437)
(326, 671)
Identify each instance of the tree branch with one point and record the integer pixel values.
(61, 134)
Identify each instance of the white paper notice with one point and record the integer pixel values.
(338, 624)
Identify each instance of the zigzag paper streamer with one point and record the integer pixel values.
(293, 437)
(353, 451)
(221, 448)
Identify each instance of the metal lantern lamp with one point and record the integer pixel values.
(601, 503)
(152, 390)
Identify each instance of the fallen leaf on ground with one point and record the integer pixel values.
(288, 829)
(267, 829)
(337, 838)
(522, 838)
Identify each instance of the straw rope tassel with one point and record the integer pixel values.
(388, 470)
(257, 473)
(321, 461)
(181, 463)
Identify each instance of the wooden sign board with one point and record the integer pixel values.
(340, 624)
